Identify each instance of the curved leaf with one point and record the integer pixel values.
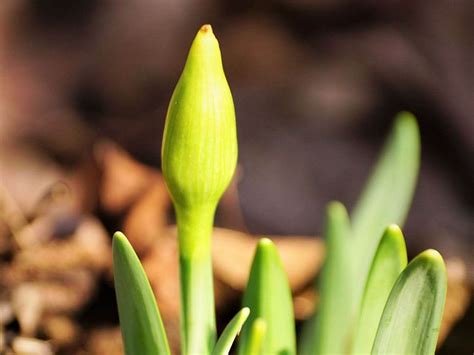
(412, 316)
(387, 196)
(230, 332)
(142, 329)
(389, 261)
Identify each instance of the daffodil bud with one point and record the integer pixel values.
(199, 155)
(199, 151)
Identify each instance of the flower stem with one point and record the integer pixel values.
(198, 323)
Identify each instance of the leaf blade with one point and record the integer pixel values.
(389, 261)
(257, 334)
(140, 320)
(412, 316)
(331, 330)
(268, 295)
(387, 196)
(230, 332)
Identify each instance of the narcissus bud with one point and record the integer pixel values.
(199, 152)
(199, 156)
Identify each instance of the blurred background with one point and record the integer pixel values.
(84, 88)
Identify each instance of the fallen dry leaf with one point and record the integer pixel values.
(61, 330)
(124, 179)
(27, 346)
(305, 303)
(147, 219)
(27, 305)
(57, 275)
(103, 341)
(87, 248)
(232, 254)
(458, 296)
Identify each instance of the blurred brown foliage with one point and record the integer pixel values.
(316, 84)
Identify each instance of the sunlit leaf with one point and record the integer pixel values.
(256, 336)
(142, 329)
(387, 196)
(389, 261)
(268, 295)
(230, 332)
(332, 325)
(412, 316)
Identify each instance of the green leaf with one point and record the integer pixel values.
(257, 334)
(230, 332)
(389, 261)
(142, 329)
(412, 316)
(387, 196)
(268, 295)
(336, 306)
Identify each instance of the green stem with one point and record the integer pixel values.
(198, 323)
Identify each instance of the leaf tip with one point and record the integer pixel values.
(119, 235)
(119, 241)
(266, 248)
(265, 243)
(336, 209)
(433, 256)
(394, 235)
(394, 229)
(406, 120)
(405, 117)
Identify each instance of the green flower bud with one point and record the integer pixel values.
(199, 156)
(199, 152)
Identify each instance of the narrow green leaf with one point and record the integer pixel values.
(336, 306)
(142, 329)
(412, 316)
(387, 196)
(268, 295)
(257, 334)
(389, 261)
(230, 332)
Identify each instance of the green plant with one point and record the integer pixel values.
(370, 300)
(199, 157)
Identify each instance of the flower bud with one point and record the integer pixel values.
(199, 152)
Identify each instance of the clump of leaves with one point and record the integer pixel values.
(371, 301)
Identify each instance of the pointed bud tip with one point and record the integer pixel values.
(206, 29)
